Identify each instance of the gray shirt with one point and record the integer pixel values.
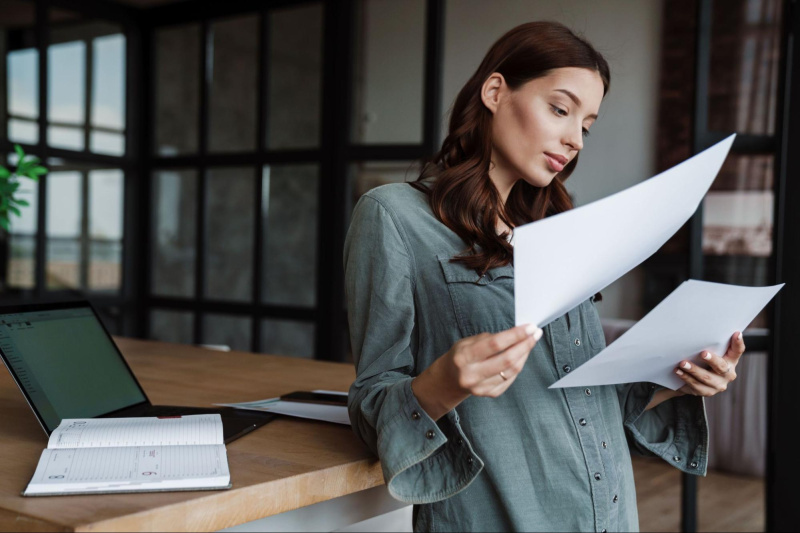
(534, 459)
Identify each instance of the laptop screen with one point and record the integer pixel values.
(67, 364)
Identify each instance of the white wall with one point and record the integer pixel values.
(620, 151)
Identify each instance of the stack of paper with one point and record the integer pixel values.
(564, 259)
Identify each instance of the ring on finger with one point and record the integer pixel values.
(503, 376)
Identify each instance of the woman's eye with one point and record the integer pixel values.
(585, 132)
(558, 111)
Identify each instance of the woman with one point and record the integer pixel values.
(451, 397)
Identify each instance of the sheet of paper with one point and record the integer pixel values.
(328, 413)
(697, 316)
(141, 431)
(564, 259)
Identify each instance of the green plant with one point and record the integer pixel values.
(27, 167)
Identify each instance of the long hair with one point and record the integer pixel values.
(462, 196)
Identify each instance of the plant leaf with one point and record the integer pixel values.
(20, 153)
(5, 223)
(21, 202)
(4, 172)
(14, 210)
(37, 171)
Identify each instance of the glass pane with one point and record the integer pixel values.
(17, 32)
(174, 232)
(107, 143)
(295, 77)
(232, 69)
(177, 83)
(22, 247)
(229, 234)
(226, 330)
(108, 82)
(64, 137)
(287, 337)
(289, 215)
(171, 326)
(66, 91)
(738, 210)
(745, 59)
(389, 70)
(64, 220)
(105, 267)
(106, 205)
(23, 131)
(23, 95)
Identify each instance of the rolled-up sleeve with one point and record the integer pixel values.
(675, 430)
(423, 461)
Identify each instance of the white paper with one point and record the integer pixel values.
(697, 316)
(564, 259)
(328, 413)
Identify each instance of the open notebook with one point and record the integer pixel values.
(105, 455)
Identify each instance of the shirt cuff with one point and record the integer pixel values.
(675, 430)
(424, 461)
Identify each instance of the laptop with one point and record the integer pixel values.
(67, 366)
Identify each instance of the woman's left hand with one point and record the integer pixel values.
(721, 371)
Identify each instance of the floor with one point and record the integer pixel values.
(724, 502)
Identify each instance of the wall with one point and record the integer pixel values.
(621, 149)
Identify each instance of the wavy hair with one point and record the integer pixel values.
(462, 196)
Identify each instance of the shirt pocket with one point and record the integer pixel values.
(480, 303)
(594, 326)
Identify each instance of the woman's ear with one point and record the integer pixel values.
(492, 91)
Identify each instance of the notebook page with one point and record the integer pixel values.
(144, 431)
(130, 467)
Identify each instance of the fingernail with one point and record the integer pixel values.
(739, 336)
(679, 372)
(707, 356)
(687, 366)
(530, 329)
(538, 334)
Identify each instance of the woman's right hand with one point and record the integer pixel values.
(481, 365)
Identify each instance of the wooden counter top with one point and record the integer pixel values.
(284, 465)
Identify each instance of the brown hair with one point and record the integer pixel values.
(462, 196)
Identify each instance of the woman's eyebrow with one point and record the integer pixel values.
(575, 99)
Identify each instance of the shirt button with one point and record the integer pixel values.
(605, 444)
(616, 498)
(582, 421)
(676, 459)
(430, 434)
(415, 415)
(588, 392)
(604, 531)
(577, 342)
(567, 369)
(693, 464)
(469, 460)
(460, 441)
(597, 476)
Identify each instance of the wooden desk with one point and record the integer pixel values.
(284, 465)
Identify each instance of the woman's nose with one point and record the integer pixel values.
(573, 140)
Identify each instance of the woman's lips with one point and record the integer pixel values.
(555, 164)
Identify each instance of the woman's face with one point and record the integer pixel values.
(539, 128)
